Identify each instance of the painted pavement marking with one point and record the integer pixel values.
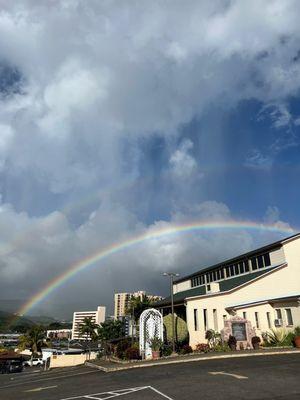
(228, 374)
(40, 388)
(117, 393)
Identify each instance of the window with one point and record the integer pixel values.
(260, 262)
(242, 267)
(267, 259)
(236, 269)
(289, 317)
(215, 315)
(246, 266)
(208, 288)
(244, 315)
(269, 320)
(195, 319)
(231, 269)
(254, 263)
(278, 313)
(256, 320)
(205, 318)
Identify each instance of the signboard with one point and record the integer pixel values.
(239, 331)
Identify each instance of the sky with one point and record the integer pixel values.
(121, 117)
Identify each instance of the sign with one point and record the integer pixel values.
(239, 331)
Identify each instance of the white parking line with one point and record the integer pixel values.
(227, 373)
(48, 379)
(117, 393)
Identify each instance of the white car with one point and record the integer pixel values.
(34, 362)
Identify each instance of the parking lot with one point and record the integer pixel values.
(261, 378)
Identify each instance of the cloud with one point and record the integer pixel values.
(258, 161)
(45, 247)
(85, 87)
(182, 163)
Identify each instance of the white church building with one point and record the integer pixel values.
(262, 286)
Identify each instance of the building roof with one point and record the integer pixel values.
(265, 300)
(236, 259)
(225, 286)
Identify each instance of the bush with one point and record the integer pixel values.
(167, 350)
(181, 330)
(231, 341)
(132, 353)
(202, 347)
(278, 337)
(122, 346)
(297, 331)
(255, 340)
(186, 349)
(221, 347)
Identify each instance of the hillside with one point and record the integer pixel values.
(12, 322)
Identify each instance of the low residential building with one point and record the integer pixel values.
(59, 333)
(97, 316)
(261, 286)
(122, 301)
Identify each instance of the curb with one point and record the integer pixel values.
(155, 364)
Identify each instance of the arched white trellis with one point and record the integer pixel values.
(151, 325)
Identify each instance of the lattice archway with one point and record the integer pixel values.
(151, 325)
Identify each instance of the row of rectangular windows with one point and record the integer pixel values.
(258, 262)
(288, 314)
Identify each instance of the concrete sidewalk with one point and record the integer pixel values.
(112, 365)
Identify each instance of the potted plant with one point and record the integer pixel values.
(155, 344)
(232, 342)
(297, 336)
(255, 342)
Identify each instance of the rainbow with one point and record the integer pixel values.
(115, 248)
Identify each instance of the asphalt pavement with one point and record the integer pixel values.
(260, 378)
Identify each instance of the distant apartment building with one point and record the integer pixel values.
(122, 301)
(97, 316)
(59, 333)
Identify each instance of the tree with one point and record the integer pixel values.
(109, 330)
(137, 305)
(88, 329)
(34, 339)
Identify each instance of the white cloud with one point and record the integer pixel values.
(259, 161)
(182, 163)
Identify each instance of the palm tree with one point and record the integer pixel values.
(137, 305)
(34, 339)
(88, 329)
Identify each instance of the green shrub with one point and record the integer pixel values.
(181, 331)
(297, 331)
(132, 353)
(202, 347)
(186, 349)
(278, 337)
(122, 346)
(221, 347)
(166, 349)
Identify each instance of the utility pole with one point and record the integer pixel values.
(171, 275)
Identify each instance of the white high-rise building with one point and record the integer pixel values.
(122, 301)
(97, 316)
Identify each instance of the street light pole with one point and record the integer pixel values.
(171, 275)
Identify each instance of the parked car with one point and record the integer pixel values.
(34, 362)
(10, 366)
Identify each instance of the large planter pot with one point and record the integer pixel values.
(297, 341)
(155, 354)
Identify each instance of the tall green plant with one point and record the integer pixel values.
(181, 331)
(88, 329)
(34, 339)
(277, 337)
